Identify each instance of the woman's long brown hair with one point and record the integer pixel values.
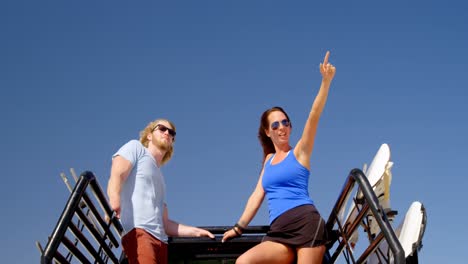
(265, 141)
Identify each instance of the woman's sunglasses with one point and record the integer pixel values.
(163, 129)
(275, 125)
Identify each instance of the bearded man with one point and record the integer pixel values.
(137, 192)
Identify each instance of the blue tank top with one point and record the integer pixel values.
(286, 185)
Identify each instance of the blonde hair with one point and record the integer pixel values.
(149, 129)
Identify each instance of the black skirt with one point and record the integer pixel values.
(298, 227)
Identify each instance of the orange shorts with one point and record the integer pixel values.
(143, 248)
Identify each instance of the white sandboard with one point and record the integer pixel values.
(377, 167)
(375, 173)
(412, 228)
(410, 232)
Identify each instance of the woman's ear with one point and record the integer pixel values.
(267, 132)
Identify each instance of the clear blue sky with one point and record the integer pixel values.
(80, 78)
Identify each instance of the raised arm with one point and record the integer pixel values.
(304, 147)
(119, 173)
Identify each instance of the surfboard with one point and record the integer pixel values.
(378, 170)
(409, 232)
(412, 229)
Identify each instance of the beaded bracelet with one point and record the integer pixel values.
(235, 231)
(241, 228)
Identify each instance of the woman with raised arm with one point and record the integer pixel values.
(297, 231)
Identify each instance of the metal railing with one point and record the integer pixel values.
(189, 249)
(75, 222)
(343, 232)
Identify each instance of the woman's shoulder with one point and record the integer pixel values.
(267, 158)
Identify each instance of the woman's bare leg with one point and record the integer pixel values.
(309, 255)
(267, 252)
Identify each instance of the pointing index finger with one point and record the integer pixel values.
(325, 60)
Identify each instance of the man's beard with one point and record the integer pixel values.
(163, 145)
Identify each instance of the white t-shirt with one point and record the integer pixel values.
(143, 194)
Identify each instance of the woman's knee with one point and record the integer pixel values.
(310, 255)
(243, 259)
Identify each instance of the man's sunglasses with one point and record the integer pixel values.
(275, 125)
(163, 129)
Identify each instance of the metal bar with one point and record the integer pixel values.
(75, 251)
(101, 198)
(59, 258)
(216, 240)
(85, 242)
(349, 231)
(65, 218)
(333, 218)
(247, 230)
(100, 221)
(379, 214)
(371, 248)
(96, 235)
(359, 218)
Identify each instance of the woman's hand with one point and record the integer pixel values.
(326, 69)
(228, 235)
